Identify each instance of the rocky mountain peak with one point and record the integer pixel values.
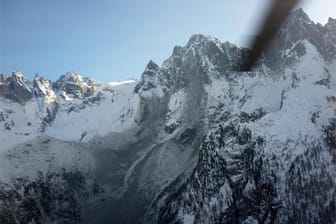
(42, 87)
(295, 37)
(18, 74)
(18, 77)
(75, 86)
(198, 39)
(71, 85)
(299, 15)
(3, 78)
(202, 44)
(37, 79)
(151, 69)
(203, 56)
(299, 26)
(331, 22)
(148, 77)
(152, 66)
(331, 26)
(73, 77)
(70, 77)
(16, 88)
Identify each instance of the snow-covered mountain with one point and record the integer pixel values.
(193, 141)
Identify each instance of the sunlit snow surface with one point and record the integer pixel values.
(121, 82)
(113, 113)
(32, 150)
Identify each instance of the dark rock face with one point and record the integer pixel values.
(236, 185)
(148, 77)
(50, 117)
(20, 89)
(187, 136)
(50, 198)
(288, 43)
(4, 88)
(331, 29)
(232, 183)
(15, 88)
(3, 78)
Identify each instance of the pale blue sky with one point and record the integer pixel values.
(113, 40)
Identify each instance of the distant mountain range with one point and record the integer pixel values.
(192, 141)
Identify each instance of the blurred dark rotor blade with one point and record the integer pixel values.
(277, 14)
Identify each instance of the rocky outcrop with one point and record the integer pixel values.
(16, 88)
(74, 86)
(19, 89)
(288, 45)
(43, 87)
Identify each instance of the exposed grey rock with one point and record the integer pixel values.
(42, 87)
(15, 88)
(148, 77)
(19, 86)
(3, 79)
(288, 43)
(4, 88)
(50, 117)
(331, 30)
(75, 86)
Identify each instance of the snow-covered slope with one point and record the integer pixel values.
(192, 141)
(271, 158)
(59, 113)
